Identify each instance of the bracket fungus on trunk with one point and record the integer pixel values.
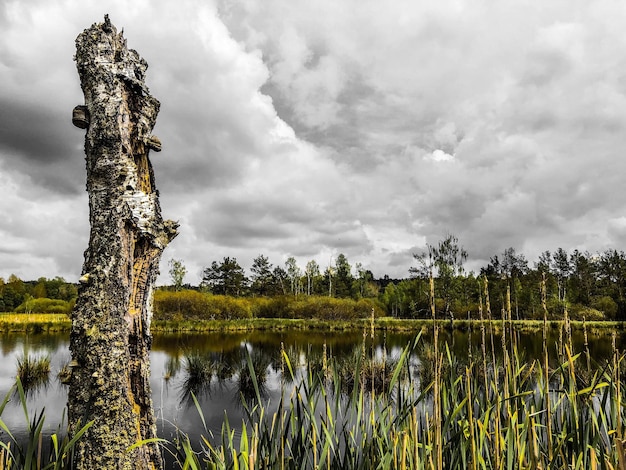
(80, 117)
(110, 338)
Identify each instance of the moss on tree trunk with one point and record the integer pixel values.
(110, 338)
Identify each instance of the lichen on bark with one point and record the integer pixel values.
(110, 338)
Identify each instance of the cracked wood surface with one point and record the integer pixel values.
(110, 338)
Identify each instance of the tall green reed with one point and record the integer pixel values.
(560, 413)
(31, 452)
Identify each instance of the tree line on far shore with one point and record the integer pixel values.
(40, 296)
(585, 285)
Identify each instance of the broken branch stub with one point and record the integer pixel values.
(110, 339)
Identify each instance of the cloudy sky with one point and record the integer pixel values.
(312, 128)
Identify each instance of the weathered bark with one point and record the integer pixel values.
(110, 339)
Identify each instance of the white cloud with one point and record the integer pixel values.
(439, 155)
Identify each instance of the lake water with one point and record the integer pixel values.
(177, 358)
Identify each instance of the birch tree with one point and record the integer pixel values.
(110, 338)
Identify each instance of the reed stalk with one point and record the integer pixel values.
(483, 341)
(546, 365)
(586, 346)
(436, 373)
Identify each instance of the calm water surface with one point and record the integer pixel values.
(222, 357)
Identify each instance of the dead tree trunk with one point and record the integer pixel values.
(110, 339)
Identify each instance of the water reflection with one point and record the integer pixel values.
(198, 370)
(243, 370)
(172, 366)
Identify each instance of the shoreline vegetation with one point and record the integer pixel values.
(59, 323)
(577, 285)
(561, 285)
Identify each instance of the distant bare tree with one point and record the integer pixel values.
(177, 273)
(444, 262)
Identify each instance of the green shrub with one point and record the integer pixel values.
(261, 307)
(461, 308)
(580, 312)
(364, 308)
(328, 308)
(606, 305)
(44, 305)
(178, 305)
(223, 307)
(271, 307)
(194, 305)
(556, 308)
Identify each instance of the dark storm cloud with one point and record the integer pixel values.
(238, 233)
(40, 142)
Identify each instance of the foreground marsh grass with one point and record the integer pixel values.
(559, 411)
(515, 415)
(31, 452)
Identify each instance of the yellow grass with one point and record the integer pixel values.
(34, 322)
(33, 317)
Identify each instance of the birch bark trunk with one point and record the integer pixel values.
(110, 339)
